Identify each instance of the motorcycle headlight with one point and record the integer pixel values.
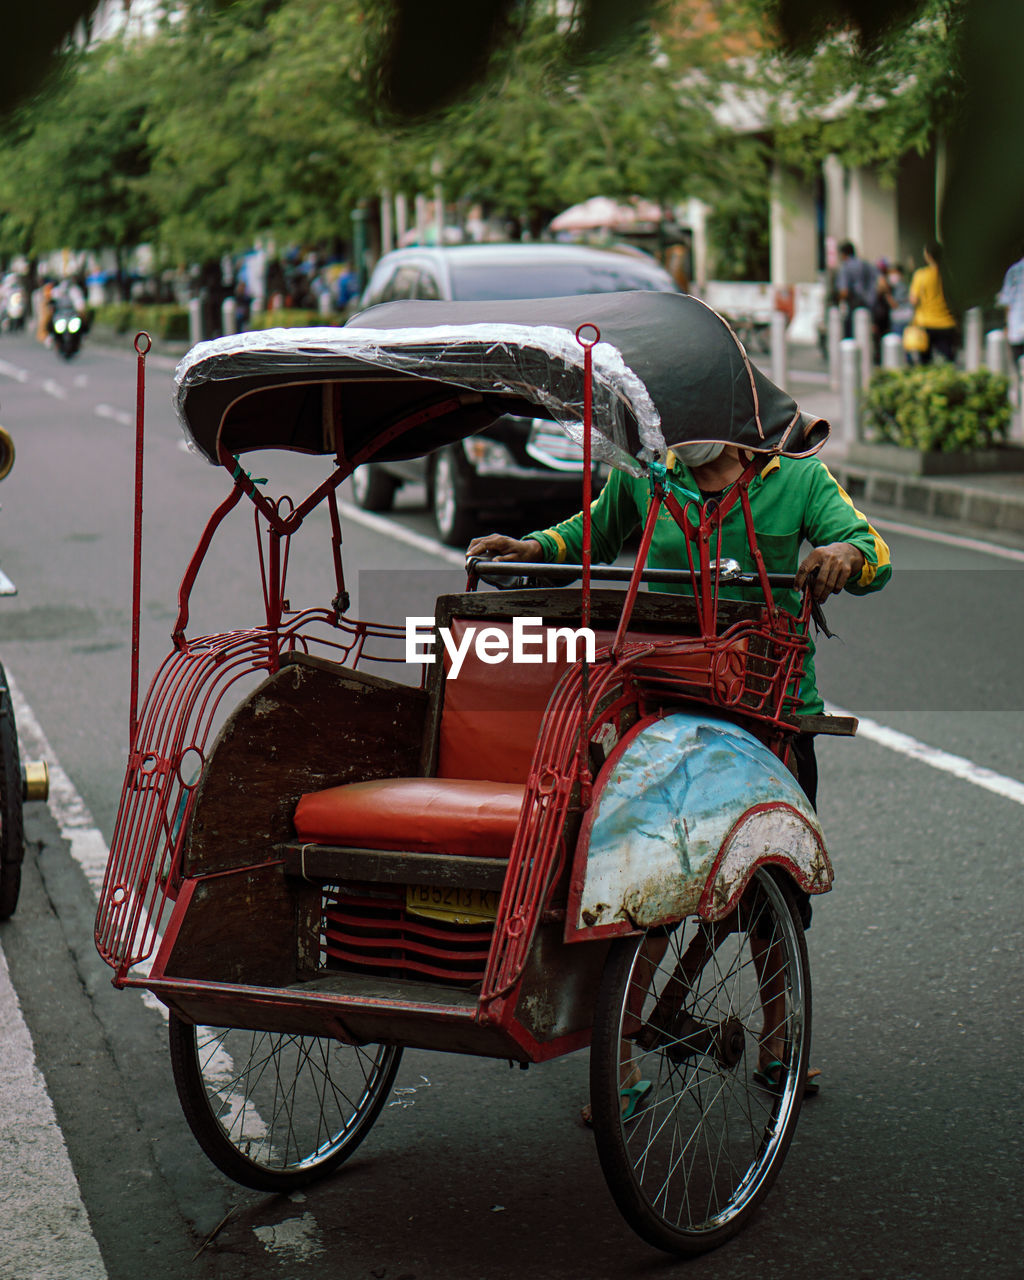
(16, 299)
(59, 326)
(74, 324)
(488, 457)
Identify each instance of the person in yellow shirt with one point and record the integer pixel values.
(931, 310)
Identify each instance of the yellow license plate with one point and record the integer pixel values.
(456, 906)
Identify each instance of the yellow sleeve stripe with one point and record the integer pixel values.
(867, 574)
(560, 544)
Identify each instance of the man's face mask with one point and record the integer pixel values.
(696, 455)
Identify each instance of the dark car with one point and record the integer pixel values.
(519, 466)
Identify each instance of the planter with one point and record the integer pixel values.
(918, 462)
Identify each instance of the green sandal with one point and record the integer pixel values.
(634, 1094)
(770, 1077)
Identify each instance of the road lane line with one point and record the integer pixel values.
(944, 761)
(12, 371)
(46, 1229)
(53, 389)
(950, 539)
(379, 525)
(116, 415)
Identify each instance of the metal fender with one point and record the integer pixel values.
(686, 807)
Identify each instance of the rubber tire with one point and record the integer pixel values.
(373, 489)
(12, 827)
(703, 1084)
(456, 523)
(228, 1154)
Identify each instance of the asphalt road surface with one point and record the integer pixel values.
(906, 1167)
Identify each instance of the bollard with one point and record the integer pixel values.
(863, 332)
(778, 337)
(997, 352)
(228, 316)
(849, 390)
(892, 351)
(835, 336)
(1017, 426)
(195, 320)
(972, 339)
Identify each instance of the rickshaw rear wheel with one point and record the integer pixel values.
(273, 1111)
(12, 831)
(687, 1013)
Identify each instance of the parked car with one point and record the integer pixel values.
(519, 466)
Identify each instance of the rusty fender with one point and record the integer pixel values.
(687, 806)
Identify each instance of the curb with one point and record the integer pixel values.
(944, 499)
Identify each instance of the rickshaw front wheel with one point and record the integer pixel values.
(690, 1129)
(273, 1111)
(12, 833)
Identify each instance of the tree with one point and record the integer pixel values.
(73, 160)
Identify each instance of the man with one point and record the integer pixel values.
(792, 500)
(855, 285)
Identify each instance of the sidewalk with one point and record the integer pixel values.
(986, 501)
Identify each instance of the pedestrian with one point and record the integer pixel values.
(856, 283)
(793, 500)
(931, 310)
(901, 310)
(1011, 296)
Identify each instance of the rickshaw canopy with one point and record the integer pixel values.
(406, 378)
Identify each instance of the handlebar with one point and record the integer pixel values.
(510, 574)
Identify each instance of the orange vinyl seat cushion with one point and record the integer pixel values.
(422, 815)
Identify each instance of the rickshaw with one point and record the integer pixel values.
(598, 845)
(18, 782)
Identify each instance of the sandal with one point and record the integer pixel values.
(631, 1094)
(770, 1077)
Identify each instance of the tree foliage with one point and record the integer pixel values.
(275, 118)
(870, 103)
(73, 161)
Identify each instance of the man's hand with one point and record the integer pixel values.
(496, 546)
(835, 563)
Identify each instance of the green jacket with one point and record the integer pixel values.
(793, 500)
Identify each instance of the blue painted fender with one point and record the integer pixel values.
(685, 809)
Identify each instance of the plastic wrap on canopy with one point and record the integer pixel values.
(406, 378)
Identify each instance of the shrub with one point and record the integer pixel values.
(938, 408)
(291, 318)
(160, 320)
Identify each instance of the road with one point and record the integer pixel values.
(906, 1167)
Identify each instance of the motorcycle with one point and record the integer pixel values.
(66, 326)
(18, 782)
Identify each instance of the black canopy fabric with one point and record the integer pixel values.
(405, 378)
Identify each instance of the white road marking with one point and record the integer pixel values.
(12, 371)
(46, 1229)
(950, 539)
(116, 415)
(944, 761)
(379, 525)
(53, 389)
